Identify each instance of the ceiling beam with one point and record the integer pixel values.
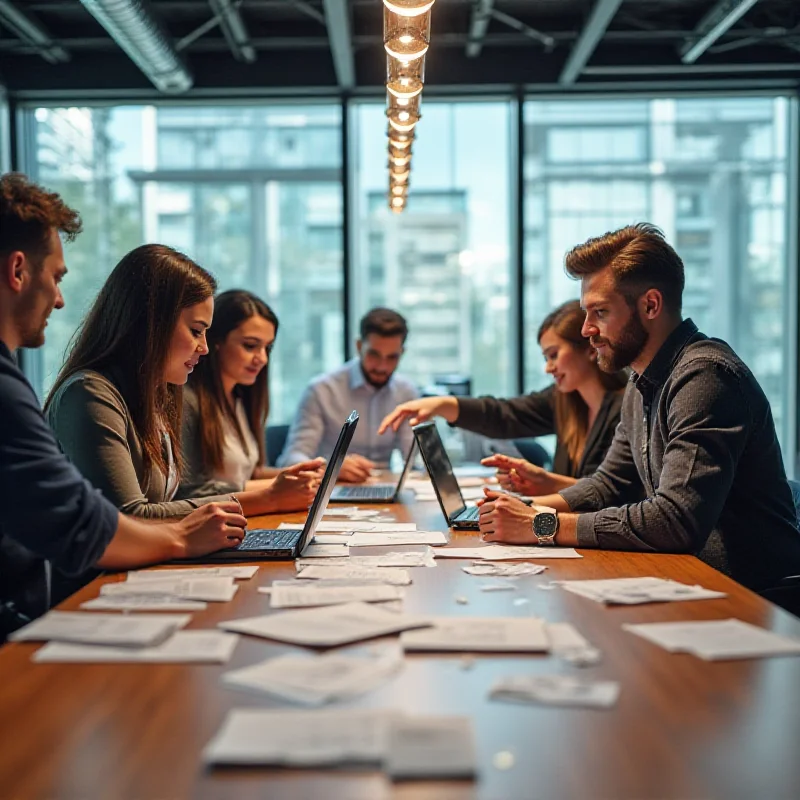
(593, 31)
(234, 30)
(32, 32)
(337, 17)
(481, 14)
(724, 15)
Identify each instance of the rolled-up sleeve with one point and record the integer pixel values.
(48, 507)
(705, 444)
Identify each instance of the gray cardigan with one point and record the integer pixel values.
(91, 420)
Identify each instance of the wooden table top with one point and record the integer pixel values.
(682, 728)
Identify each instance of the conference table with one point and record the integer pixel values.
(682, 727)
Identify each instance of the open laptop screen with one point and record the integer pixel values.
(440, 468)
(329, 479)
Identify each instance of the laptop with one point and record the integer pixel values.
(264, 545)
(376, 492)
(444, 482)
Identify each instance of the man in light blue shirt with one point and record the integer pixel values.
(367, 384)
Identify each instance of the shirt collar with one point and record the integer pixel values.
(357, 379)
(4, 351)
(660, 367)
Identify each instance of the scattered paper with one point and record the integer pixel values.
(143, 602)
(406, 558)
(505, 570)
(117, 630)
(317, 679)
(505, 552)
(556, 690)
(472, 493)
(332, 538)
(210, 589)
(424, 748)
(498, 587)
(322, 572)
(319, 550)
(328, 626)
(237, 573)
(316, 595)
(381, 539)
(480, 634)
(355, 527)
(717, 640)
(632, 591)
(183, 647)
(569, 645)
(300, 738)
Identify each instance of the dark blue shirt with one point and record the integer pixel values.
(48, 511)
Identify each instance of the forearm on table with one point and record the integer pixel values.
(137, 543)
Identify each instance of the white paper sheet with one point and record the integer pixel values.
(237, 573)
(717, 640)
(480, 634)
(117, 630)
(504, 570)
(505, 552)
(633, 591)
(328, 626)
(183, 647)
(314, 595)
(320, 550)
(322, 572)
(354, 526)
(215, 590)
(342, 537)
(143, 602)
(556, 690)
(568, 644)
(407, 558)
(300, 738)
(389, 539)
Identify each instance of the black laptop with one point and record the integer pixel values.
(444, 481)
(376, 492)
(265, 545)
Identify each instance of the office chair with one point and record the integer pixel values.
(275, 441)
(787, 593)
(532, 451)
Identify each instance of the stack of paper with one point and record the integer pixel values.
(406, 746)
(632, 591)
(216, 589)
(405, 558)
(326, 550)
(317, 593)
(321, 572)
(237, 573)
(504, 570)
(383, 539)
(143, 602)
(143, 630)
(318, 679)
(336, 526)
(329, 626)
(183, 647)
(505, 552)
(480, 635)
(717, 640)
(556, 690)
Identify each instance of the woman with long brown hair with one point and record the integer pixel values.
(117, 402)
(581, 408)
(226, 402)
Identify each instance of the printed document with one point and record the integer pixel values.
(322, 572)
(505, 552)
(321, 595)
(480, 634)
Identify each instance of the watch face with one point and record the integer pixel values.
(544, 524)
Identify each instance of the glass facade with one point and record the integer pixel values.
(253, 192)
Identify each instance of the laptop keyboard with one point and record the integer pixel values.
(364, 492)
(469, 514)
(269, 540)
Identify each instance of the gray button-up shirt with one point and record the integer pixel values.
(328, 401)
(696, 431)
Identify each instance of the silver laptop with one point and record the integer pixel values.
(376, 492)
(444, 481)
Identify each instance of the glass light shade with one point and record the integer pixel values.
(400, 141)
(401, 120)
(404, 79)
(398, 169)
(399, 161)
(398, 190)
(406, 38)
(399, 152)
(408, 8)
(408, 104)
(400, 177)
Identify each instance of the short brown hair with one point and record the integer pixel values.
(27, 215)
(383, 322)
(640, 259)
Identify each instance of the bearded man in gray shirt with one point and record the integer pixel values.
(696, 436)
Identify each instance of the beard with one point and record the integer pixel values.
(626, 349)
(376, 381)
(32, 321)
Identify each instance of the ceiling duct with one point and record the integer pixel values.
(136, 30)
(32, 32)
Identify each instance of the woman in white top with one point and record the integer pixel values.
(227, 399)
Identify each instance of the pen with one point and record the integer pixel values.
(241, 510)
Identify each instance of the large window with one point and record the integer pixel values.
(444, 263)
(252, 193)
(713, 173)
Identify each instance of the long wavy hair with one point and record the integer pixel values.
(128, 332)
(231, 309)
(572, 413)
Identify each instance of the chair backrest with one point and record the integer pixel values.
(275, 442)
(532, 451)
(795, 487)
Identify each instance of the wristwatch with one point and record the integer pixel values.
(545, 527)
